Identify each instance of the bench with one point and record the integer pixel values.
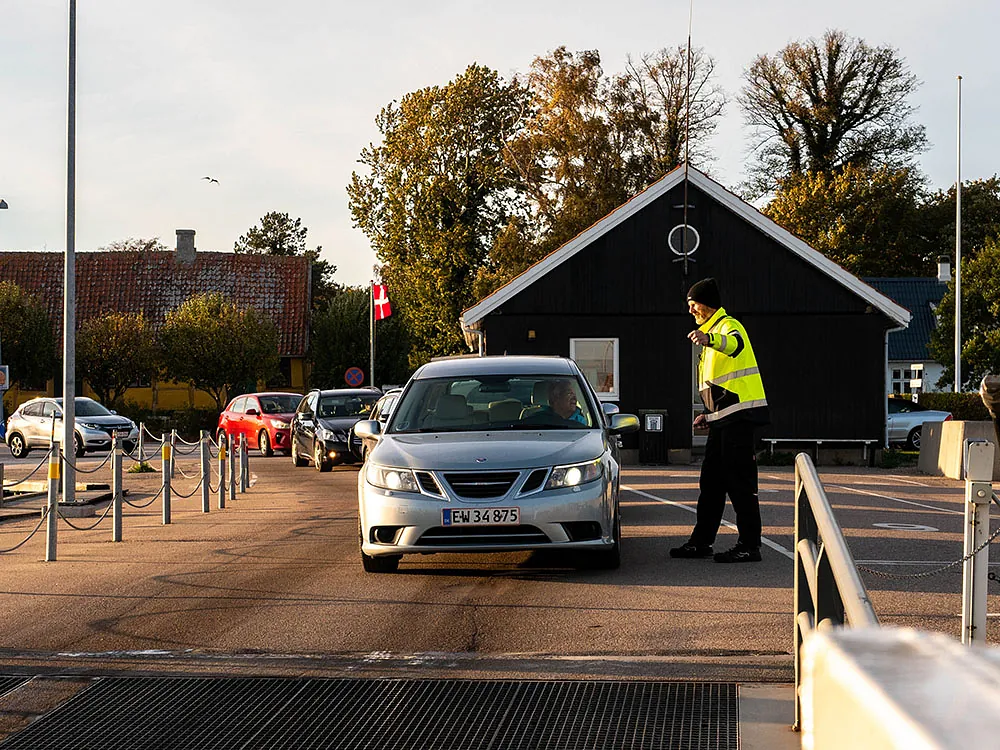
(817, 442)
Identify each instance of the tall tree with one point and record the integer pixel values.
(113, 351)
(435, 194)
(980, 217)
(27, 340)
(867, 221)
(819, 105)
(980, 320)
(279, 234)
(135, 245)
(217, 346)
(340, 341)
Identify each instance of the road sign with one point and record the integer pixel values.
(354, 376)
(4, 377)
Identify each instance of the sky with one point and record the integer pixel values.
(277, 100)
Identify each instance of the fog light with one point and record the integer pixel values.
(333, 454)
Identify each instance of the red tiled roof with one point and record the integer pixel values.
(155, 282)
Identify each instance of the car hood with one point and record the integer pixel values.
(109, 420)
(339, 423)
(455, 451)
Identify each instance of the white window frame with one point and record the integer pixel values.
(615, 394)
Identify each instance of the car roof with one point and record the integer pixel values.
(507, 364)
(349, 392)
(267, 393)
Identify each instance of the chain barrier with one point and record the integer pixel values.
(182, 440)
(145, 505)
(86, 528)
(78, 470)
(8, 485)
(187, 452)
(175, 493)
(182, 473)
(45, 512)
(156, 438)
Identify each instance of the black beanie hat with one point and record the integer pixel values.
(706, 292)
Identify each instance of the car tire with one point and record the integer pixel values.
(297, 460)
(320, 460)
(18, 448)
(264, 444)
(78, 448)
(913, 439)
(382, 564)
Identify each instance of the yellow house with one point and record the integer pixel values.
(156, 282)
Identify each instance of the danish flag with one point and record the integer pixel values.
(380, 298)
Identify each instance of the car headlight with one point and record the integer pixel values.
(389, 478)
(278, 424)
(91, 425)
(574, 475)
(325, 434)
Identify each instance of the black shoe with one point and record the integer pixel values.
(690, 549)
(739, 553)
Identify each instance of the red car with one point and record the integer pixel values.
(262, 418)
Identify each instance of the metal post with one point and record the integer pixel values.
(53, 503)
(244, 466)
(975, 570)
(167, 460)
(116, 491)
(1, 485)
(206, 470)
(233, 458)
(69, 277)
(223, 441)
(173, 453)
(139, 448)
(958, 248)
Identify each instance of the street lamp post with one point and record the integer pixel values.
(69, 282)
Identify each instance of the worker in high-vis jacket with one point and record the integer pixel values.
(733, 393)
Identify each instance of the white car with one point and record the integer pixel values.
(906, 421)
(475, 457)
(34, 424)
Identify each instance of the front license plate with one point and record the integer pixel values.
(480, 516)
(122, 433)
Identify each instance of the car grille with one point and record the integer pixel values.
(534, 480)
(428, 483)
(476, 485)
(457, 536)
(110, 428)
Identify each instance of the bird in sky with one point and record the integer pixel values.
(211, 179)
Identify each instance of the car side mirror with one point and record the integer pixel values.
(622, 423)
(253, 413)
(112, 411)
(367, 428)
(609, 408)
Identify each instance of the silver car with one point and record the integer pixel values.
(492, 454)
(906, 421)
(35, 423)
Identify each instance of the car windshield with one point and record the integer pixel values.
(493, 402)
(279, 403)
(84, 407)
(348, 405)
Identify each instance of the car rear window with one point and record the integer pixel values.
(279, 403)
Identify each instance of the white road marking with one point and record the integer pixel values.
(894, 499)
(911, 562)
(906, 481)
(904, 526)
(763, 540)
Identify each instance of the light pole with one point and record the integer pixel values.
(69, 281)
(3, 431)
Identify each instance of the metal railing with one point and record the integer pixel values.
(828, 589)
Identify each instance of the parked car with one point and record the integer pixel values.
(322, 426)
(263, 419)
(381, 412)
(906, 421)
(510, 470)
(35, 423)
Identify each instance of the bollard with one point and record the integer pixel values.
(53, 503)
(142, 429)
(206, 470)
(223, 442)
(173, 453)
(233, 458)
(116, 491)
(1, 485)
(166, 457)
(975, 570)
(244, 466)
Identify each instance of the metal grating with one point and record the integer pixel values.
(356, 714)
(482, 484)
(456, 536)
(8, 683)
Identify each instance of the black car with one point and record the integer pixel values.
(322, 427)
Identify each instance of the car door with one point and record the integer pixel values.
(33, 427)
(252, 421)
(304, 424)
(893, 422)
(236, 427)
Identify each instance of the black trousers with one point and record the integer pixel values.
(730, 467)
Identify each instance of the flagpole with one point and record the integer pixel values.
(371, 332)
(958, 250)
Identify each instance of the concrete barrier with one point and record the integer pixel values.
(898, 688)
(942, 446)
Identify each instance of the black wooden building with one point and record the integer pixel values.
(613, 298)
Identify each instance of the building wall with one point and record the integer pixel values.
(820, 347)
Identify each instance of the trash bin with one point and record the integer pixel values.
(653, 436)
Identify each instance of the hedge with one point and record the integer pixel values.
(963, 406)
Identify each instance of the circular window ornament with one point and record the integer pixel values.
(676, 237)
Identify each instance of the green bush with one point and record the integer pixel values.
(893, 459)
(963, 406)
(187, 422)
(778, 458)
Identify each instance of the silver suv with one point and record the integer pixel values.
(35, 423)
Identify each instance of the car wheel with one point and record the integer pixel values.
(264, 443)
(382, 564)
(913, 439)
(18, 448)
(297, 460)
(78, 449)
(321, 462)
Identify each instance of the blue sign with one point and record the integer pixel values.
(354, 376)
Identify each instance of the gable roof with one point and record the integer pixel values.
(155, 282)
(920, 296)
(726, 198)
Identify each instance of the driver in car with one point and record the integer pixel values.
(562, 402)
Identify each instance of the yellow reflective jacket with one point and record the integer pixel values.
(728, 378)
